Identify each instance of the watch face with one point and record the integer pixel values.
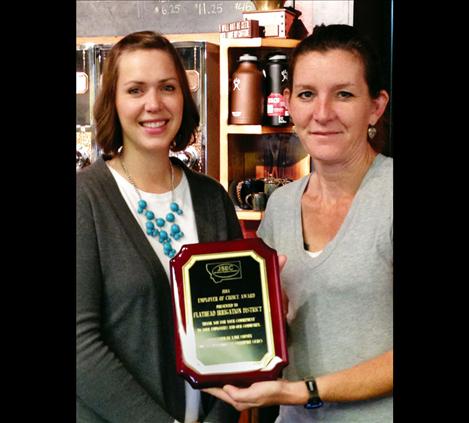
(311, 405)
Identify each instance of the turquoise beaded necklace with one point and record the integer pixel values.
(154, 225)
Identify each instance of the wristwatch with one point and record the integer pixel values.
(313, 401)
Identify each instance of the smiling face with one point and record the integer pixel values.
(331, 106)
(149, 100)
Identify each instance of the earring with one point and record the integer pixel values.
(372, 132)
(173, 144)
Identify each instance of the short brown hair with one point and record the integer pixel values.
(108, 127)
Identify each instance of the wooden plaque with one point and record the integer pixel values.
(229, 323)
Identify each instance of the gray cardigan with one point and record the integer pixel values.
(125, 351)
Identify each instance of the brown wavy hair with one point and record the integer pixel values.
(108, 127)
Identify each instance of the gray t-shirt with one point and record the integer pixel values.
(340, 302)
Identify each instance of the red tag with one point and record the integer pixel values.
(276, 105)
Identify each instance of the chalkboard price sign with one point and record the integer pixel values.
(203, 8)
(168, 9)
(115, 18)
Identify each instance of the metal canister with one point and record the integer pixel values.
(247, 95)
(277, 80)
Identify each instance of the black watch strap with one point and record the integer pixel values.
(314, 401)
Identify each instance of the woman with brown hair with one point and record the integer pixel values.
(136, 207)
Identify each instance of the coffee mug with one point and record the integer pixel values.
(271, 184)
(256, 201)
(243, 188)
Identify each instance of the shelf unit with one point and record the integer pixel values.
(240, 145)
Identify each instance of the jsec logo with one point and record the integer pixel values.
(226, 271)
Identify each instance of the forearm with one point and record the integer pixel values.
(369, 379)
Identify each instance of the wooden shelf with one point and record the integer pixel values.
(259, 42)
(211, 37)
(249, 214)
(258, 129)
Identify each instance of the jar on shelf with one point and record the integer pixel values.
(247, 96)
